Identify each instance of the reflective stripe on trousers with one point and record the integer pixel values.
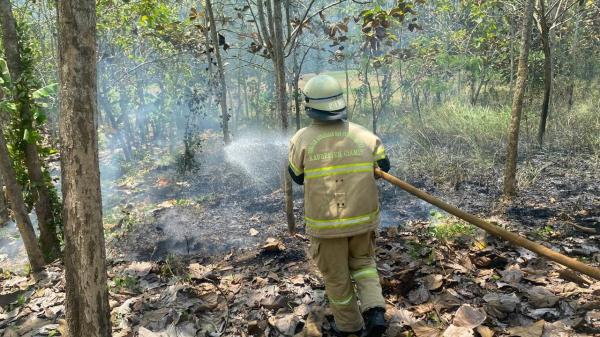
(369, 272)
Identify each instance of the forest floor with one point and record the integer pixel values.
(209, 255)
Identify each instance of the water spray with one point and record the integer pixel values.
(492, 229)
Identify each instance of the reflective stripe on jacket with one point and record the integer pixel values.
(337, 160)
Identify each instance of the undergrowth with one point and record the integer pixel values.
(457, 142)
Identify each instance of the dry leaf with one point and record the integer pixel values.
(484, 331)
(433, 281)
(468, 317)
(200, 272)
(422, 329)
(298, 280)
(512, 275)
(399, 316)
(284, 323)
(314, 321)
(540, 297)
(502, 302)
(448, 299)
(534, 330)
(457, 331)
(419, 295)
(273, 245)
(143, 332)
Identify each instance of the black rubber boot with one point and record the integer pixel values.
(374, 322)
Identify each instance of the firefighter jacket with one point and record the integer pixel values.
(340, 194)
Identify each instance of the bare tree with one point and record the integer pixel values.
(214, 36)
(510, 180)
(15, 195)
(574, 53)
(87, 309)
(43, 205)
(549, 14)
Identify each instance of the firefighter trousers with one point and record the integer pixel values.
(341, 261)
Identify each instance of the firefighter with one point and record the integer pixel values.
(335, 159)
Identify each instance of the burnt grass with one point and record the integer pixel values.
(227, 203)
(216, 230)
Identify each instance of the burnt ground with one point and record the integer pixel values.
(208, 255)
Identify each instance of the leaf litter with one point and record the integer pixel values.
(465, 286)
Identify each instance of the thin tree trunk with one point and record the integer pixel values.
(574, 58)
(279, 66)
(86, 303)
(15, 196)
(246, 105)
(130, 137)
(548, 64)
(141, 118)
(482, 83)
(110, 118)
(512, 149)
(296, 89)
(221, 72)
(417, 99)
(512, 57)
(372, 99)
(3, 207)
(43, 206)
(347, 85)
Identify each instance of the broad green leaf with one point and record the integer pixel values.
(4, 74)
(39, 116)
(8, 106)
(30, 136)
(45, 92)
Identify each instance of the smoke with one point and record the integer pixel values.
(13, 255)
(261, 156)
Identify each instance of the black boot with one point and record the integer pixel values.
(374, 322)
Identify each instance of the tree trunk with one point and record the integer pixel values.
(280, 65)
(86, 303)
(3, 207)
(296, 89)
(43, 206)
(280, 84)
(574, 58)
(482, 83)
(512, 56)
(371, 97)
(214, 36)
(15, 196)
(512, 148)
(141, 118)
(547, 48)
(110, 118)
(347, 86)
(130, 135)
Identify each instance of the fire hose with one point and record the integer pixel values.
(494, 230)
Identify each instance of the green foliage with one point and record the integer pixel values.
(126, 282)
(25, 103)
(21, 299)
(446, 229)
(417, 250)
(544, 232)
